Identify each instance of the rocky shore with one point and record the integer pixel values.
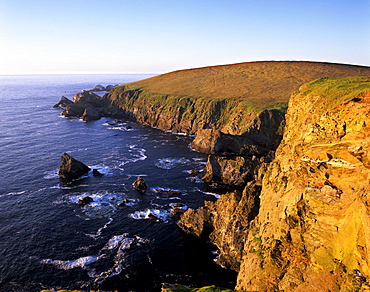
(298, 218)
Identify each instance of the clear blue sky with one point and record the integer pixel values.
(157, 36)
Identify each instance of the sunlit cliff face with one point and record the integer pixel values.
(312, 231)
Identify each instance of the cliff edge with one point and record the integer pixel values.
(245, 102)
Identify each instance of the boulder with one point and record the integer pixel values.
(88, 97)
(91, 114)
(71, 168)
(63, 102)
(97, 172)
(85, 201)
(140, 184)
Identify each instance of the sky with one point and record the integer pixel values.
(158, 36)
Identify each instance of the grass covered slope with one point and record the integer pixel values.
(265, 84)
(228, 97)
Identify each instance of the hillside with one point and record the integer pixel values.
(265, 84)
(230, 107)
(305, 226)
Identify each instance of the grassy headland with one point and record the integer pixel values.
(228, 97)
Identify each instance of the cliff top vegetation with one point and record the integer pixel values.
(262, 84)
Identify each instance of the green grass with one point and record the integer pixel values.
(263, 84)
(335, 91)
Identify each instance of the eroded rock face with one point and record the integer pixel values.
(262, 136)
(225, 222)
(311, 233)
(71, 168)
(229, 171)
(236, 171)
(63, 102)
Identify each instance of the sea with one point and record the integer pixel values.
(124, 240)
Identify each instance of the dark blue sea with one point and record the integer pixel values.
(49, 241)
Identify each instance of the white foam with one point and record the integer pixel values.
(104, 203)
(12, 194)
(98, 233)
(136, 154)
(119, 240)
(161, 214)
(51, 174)
(71, 264)
(170, 163)
(217, 196)
(102, 169)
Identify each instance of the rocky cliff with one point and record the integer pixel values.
(312, 230)
(246, 102)
(306, 226)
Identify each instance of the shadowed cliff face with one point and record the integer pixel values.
(312, 232)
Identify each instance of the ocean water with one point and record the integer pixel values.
(49, 241)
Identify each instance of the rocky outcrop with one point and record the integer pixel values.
(225, 222)
(63, 102)
(262, 136)
(311, 233)
(236, 171)
(305, 228)
(86, 104)
(71, 168)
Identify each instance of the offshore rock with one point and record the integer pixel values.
(71, 168)
(63, 102)
(140, 184)
(96, 172)
(311, 232)
(85, 201)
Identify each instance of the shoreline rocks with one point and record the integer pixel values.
(63, 102)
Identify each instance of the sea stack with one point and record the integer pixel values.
(140, 184)
(71, 168)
